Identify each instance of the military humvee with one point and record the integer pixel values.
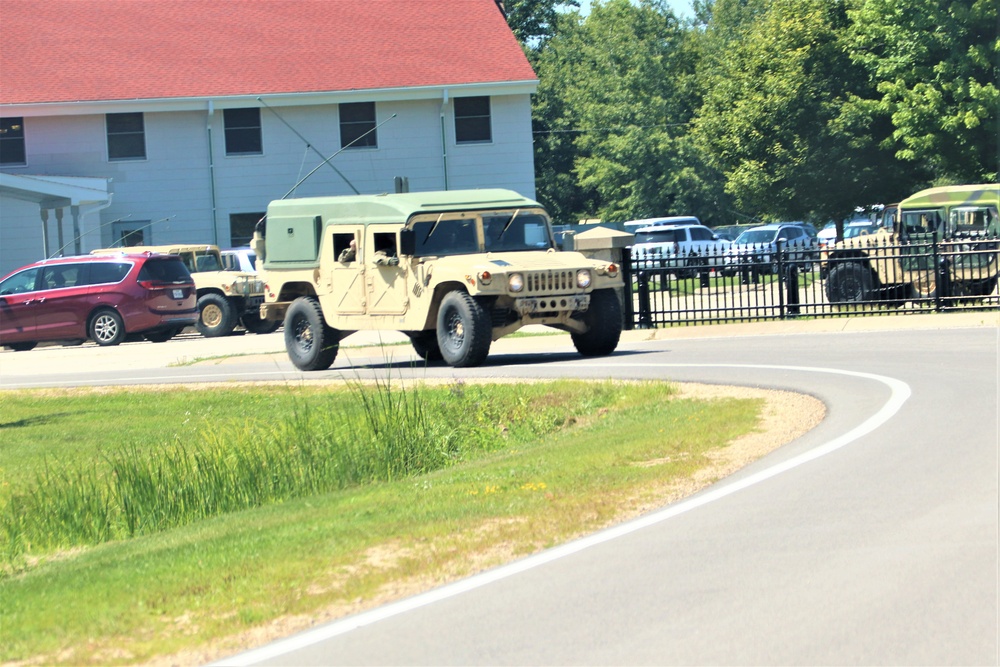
(225, 298)
(454, 270)
(896, 262)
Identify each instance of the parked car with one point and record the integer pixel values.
(686, 248)
(730, 232)
(103, 298)
(758, 248)
(239, 259)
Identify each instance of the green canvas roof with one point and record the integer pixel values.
(954, 195)
(397, 207)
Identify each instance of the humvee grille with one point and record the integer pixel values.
(548, 282)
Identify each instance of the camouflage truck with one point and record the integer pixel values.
(453, 270)
(225, 298)
(940, 236)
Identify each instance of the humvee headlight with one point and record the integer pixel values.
(583, 278)
(485, 278)
(515, 282)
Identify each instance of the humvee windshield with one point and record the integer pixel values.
(500, 231)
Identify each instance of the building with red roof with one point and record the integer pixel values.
(178, 120)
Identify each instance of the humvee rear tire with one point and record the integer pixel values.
(216, 316)
(849, 283)
(253, 323)
(311, 344)
(604, 325)
(425, 344)
(464, 332)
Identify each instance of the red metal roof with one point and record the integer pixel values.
(98, 50)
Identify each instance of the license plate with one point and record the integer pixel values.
(178, 294)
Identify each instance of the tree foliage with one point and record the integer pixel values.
(758, 109)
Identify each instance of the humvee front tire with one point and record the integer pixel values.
(311, 344)
(217, 317)
(849, 282)
(464, 331)
(604, 325)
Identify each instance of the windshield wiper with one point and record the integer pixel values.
(507, 226)
(433, 227)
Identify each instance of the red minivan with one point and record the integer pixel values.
(101, 297)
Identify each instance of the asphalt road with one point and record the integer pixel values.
(872, 539)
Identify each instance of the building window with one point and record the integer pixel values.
(472, 120)
(12, 141)
(243, 131)
(241, 226)
(355, 120)
(126, 136)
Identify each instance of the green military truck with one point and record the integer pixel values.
(225, 298)
(454, 270)
(899, 262)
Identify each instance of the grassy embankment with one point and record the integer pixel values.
(143, 523)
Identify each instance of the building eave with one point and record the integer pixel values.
(410, 93)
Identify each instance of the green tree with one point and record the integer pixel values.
(773, 120)
(935, 68)
(611, 113)
(533, 21)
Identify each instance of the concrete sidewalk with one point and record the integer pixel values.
(192, 348)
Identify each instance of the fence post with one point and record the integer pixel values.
(793, 290)
(943, 280)
(645, 311)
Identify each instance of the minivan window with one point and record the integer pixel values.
(63, 275)
(108, 272)
(20, 282)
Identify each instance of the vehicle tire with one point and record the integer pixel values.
(425, 344)
(21, 347)
(464, 332)
(253, 323)
(161, 336)
(107, 328)
(311, 344)
(216, 316)
(604, 325)
(849, 283)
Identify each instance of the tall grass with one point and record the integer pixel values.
(375, 433)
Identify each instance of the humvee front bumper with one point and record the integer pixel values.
(531, 305)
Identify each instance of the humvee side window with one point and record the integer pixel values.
(385, 242)
(341, 242)
(922, 222)
(970, 220)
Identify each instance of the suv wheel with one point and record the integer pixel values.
(311, 344)
(464, 332)
(107, 328)
(216, 317)
(604, 325)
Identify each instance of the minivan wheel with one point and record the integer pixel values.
(21, 347)
(311, 344)
(107, 328)
(216, 316)
(464, 332)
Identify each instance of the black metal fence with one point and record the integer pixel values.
(860, 277)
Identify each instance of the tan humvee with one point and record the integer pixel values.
(896, 262)
(453, 270)
(225, 298)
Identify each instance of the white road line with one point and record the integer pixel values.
(899, 393)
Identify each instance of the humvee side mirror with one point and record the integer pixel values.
(407, 242)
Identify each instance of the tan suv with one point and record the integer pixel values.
(225, 298)
(453, 270)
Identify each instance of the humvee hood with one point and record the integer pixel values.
(529, 261)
